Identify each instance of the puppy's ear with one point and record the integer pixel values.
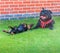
(31, 25)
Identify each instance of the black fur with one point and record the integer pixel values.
(48, 15)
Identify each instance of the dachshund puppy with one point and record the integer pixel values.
(21, 28)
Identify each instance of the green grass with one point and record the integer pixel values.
(33, 41)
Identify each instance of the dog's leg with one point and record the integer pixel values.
(6, 31)
(37, 25)
(51, 26)
(11, 27)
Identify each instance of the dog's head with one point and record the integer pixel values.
(45, 15)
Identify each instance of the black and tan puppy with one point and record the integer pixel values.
(45, 20)
(20, 28)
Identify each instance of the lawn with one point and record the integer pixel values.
(32, 41)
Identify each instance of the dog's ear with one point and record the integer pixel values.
(50, 11)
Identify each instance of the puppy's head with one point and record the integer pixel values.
(30, 26)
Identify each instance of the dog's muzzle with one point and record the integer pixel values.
(43, 17)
